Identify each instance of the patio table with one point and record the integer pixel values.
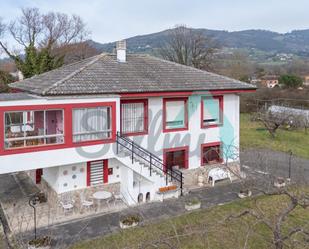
(102, 195)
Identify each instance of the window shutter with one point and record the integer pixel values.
(175, 112)
(211, 110)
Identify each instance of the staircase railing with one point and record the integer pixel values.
(155, 163)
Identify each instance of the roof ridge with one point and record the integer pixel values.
(59, 82)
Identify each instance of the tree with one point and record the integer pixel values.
(189, 47)
(290, 81)
(40, 35)
(5, 79)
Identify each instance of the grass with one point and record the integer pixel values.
(205, 229)
(252, 135)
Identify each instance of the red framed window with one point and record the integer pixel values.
(211, 153)
(44, 127)
(175, 114)
(178, 157)
(92, 124)
(134, 117)
(32, 128)
(97, 172)
(211, 111)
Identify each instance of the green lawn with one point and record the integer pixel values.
(251, 135)
(205, 229)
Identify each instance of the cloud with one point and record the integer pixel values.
(111, 20)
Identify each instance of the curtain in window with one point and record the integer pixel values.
(175, 114)
(132, 117)
(91, 124)
(211, 110)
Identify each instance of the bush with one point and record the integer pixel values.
(290, 81)
(129, 220)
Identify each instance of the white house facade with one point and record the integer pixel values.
(132, 121)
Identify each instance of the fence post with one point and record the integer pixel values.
(181, 184)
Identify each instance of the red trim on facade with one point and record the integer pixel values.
(185, 148)
(105, 170)
(205, 145)
(165, 130)
(145, 102)
(221, 104)
(88, 174)
(67, 121)
(185, 93)
(156, 94)
(216, 92)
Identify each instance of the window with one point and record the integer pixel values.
(176, 157)
(92, 124)
(212, 111)
(33, 128)
(134, 117)
(211, 153)
(175, 114)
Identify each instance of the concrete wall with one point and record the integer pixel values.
(57, 157)
(156, 141)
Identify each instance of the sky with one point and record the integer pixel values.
(110, 20)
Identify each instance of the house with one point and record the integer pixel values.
(132, 123)
(270, 81)
(306, 80)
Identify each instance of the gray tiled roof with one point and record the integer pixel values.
(102, 74)
(16, 96)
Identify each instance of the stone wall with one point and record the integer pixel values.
(191, 175)
(53, 197)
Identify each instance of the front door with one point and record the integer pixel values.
(38, 176)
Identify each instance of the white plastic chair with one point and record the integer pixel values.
(86, 203)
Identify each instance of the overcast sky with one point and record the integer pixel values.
(110, 20)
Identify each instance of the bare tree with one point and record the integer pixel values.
(40, 35)
(189, 47)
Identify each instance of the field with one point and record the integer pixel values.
(206, 229)
(253, 134)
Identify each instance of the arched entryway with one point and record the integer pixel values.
(140, 198)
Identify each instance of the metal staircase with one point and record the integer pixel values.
(150, 161)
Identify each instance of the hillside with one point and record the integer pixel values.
(295, 42)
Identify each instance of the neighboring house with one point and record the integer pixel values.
(75, 125)
(306, 80)
(270, 81)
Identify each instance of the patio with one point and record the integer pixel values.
(57, 208)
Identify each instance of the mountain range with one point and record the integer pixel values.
(295, 42)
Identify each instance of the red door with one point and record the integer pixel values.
(97, 172)
(38, 176)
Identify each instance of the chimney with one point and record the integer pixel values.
(121, 50)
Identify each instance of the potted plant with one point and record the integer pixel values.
(243, 193)
(280, 182)
(192, 204)
(130, 221)
(40, 243)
